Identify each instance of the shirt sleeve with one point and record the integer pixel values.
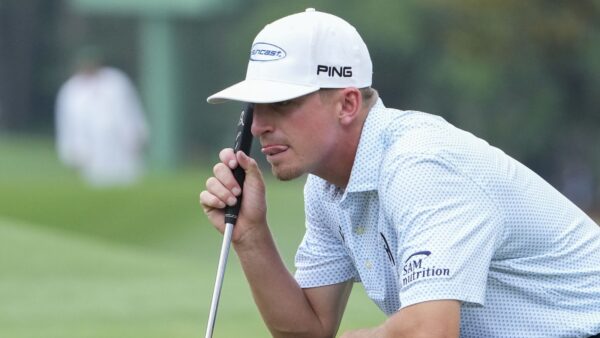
(448, 230)
(321, 258)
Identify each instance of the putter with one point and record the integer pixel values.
(243, 142)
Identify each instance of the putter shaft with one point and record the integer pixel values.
(219, 281)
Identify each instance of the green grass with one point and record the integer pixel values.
(129, 262)
(55, 284)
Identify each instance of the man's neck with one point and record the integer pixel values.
(339, 174)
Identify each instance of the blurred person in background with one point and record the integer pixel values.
(100, 123)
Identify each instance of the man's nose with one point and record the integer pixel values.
(261, 123)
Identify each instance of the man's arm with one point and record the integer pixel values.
(432, 319)
(287, 309)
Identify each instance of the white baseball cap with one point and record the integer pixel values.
(299, 54)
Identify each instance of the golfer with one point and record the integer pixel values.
(449, 236)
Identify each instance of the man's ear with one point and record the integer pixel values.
(351, 103)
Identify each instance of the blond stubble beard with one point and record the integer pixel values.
(286, 174)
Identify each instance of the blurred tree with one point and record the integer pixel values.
(522, 75)
(27, 36)
(522, 64)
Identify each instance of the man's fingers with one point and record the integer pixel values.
(227, 156)
(220, 192)
(213, 208)
(224, 174)
(210, 201)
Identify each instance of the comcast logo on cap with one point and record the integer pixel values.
(262, 51)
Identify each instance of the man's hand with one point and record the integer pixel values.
(363, 333)
(222, 189)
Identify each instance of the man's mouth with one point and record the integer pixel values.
(272, 150)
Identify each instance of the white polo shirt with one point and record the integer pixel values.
(432, 212)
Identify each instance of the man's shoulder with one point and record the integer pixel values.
(411, 129)
(391, 136)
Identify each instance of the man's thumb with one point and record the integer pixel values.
(247, 163)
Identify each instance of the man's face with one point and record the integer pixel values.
(297, 136)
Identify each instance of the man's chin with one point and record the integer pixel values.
(286, 174)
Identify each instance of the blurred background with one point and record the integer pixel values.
(138, 259)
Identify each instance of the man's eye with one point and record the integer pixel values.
(283, 103)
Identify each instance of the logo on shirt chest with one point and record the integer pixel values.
(417, 267)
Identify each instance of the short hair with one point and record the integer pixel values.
(368, 94)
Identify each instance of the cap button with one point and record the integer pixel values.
(310, 9)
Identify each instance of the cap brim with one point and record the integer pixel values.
(261, 91)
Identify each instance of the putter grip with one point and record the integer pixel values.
(243, 142)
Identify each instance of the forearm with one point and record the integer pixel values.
(283, 305)
(431, 319)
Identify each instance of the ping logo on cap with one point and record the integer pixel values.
(262, 51)
(333, 71)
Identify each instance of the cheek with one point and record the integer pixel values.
(315, 133)
(317, 143)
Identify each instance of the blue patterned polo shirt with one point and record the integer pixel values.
(432, 212)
